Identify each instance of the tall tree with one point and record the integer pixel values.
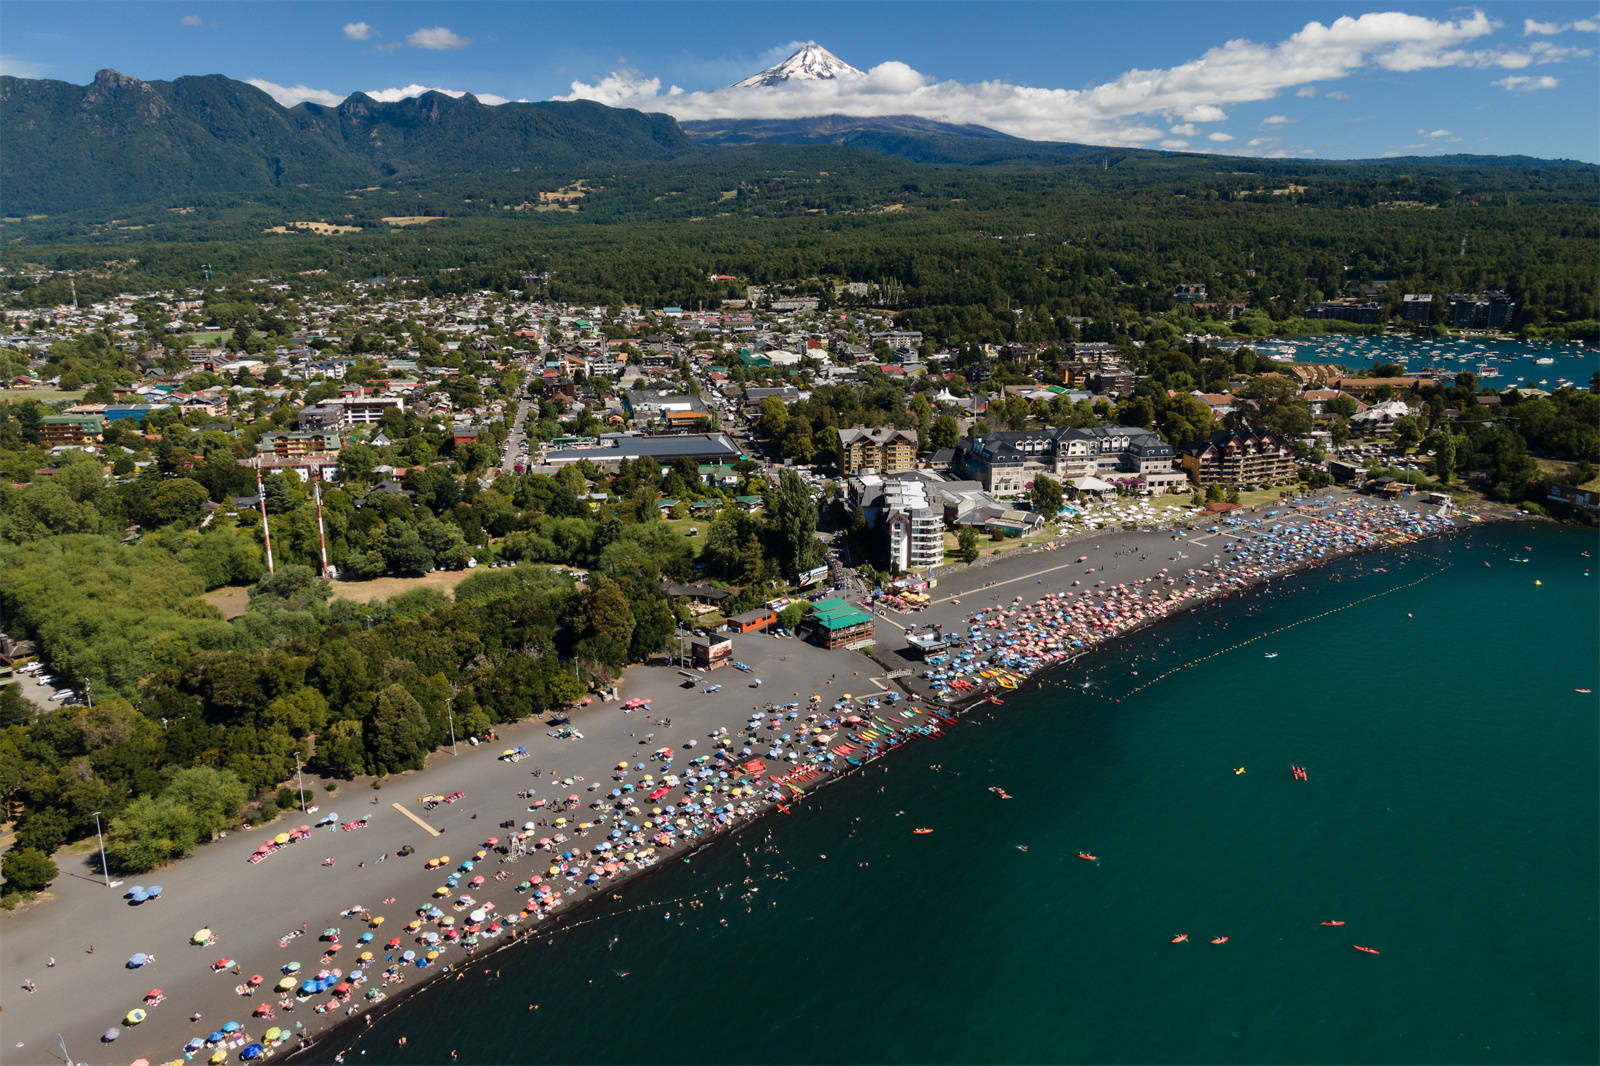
(792, 525)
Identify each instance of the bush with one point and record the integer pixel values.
(27, 869)
(268, 811)
(287, 798)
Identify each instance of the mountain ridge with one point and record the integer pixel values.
(122, 140)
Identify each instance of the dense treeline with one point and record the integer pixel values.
(353, 688)
(958, 250)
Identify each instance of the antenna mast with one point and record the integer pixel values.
(322, 537)
(266, 534)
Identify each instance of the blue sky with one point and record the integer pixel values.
(1284, 79)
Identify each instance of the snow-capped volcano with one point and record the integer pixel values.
(811, 63)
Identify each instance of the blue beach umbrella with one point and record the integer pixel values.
(251, 1051)
(137, 959)
(136, 890)
(217, 1037)
(153, 891)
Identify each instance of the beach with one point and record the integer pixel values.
(252, 906)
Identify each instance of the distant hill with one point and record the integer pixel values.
(120, 140)
(920, 140)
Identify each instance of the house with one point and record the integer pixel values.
(70, 429)
(1239, 456)
(886, 451)
(1189, 294)
(658, 405)
(1380, 416)
(1369, 312)
(753, 621)
(1489, 310)
(294, 445)
(1006, 463)
(1584, 500)
(710, 653)
(353, 410)
(914, 525)
(1417, 308)
(836, 623)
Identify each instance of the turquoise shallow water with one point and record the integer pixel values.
(1449, 819)
(1499, 363)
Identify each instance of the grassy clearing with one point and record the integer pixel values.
(44, 396)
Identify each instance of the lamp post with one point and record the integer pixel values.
(300, 782)
(88, 692)
(451, 714)
(101, 838)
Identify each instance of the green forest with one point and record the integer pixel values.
(955, 251)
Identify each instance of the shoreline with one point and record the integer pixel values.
(346, 1034)
(245, 902)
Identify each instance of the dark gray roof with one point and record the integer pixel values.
(706, 447)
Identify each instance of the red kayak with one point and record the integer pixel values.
(1086, 855)
(1332, 923)
(1369, 951)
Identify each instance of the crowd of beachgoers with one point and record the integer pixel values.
(537, 852)
(1008, 641)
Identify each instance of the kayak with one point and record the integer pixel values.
(1332, 923)
(1086, 855)
(919, 832)
(1220, 940)
(1369, 951)
(1181, 938)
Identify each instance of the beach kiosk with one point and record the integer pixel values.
(710, 652)
(837, 623)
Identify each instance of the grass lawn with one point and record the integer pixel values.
(45, 396)
(1557, 468)
(681, 526)
(214, 336)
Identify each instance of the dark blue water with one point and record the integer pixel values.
(1449, 819)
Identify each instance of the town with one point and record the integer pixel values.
(287, 454)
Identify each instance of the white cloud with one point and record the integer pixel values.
(1338, 94)
(389, 96)
(18, 67)
(1278, 120)
(191, 20)
(1174, 143)
(1129, 109)
(1530, 27)
(1434, 133)
(1260, 142)
(1523, 83)
(437, 39)
(357, 31)
(290, 95)
(1219, 137)
(1185, 129)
